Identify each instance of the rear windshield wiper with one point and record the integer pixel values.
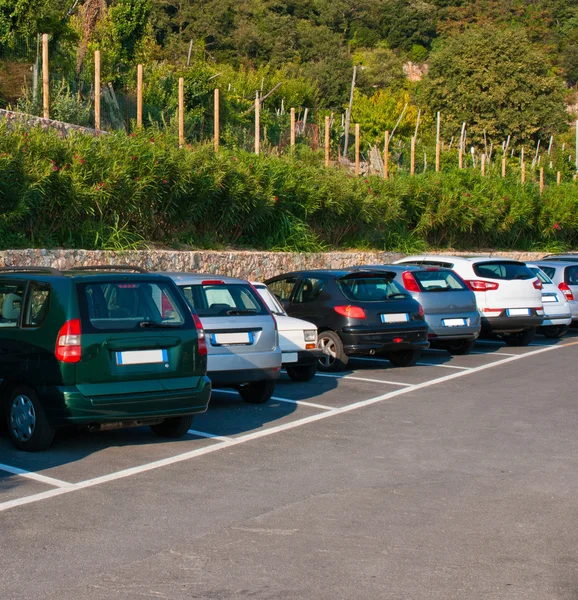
(397, 295)
(241, 311)
(157, 325)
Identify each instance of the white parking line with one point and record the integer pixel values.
(222, 438)
(265, 432)
(492, 355)
(36, 476)
(355, 378)
(303, 402)
(422, 364)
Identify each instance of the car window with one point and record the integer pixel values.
(37, 305)
(369, 289)
(270, 300)
(436, 280)
(571, 275)
(540, 274)
(550, 271)
(117, 306)
(223, 299)
(11, 295)
(308, 290)
(503, 270)
(282, 288)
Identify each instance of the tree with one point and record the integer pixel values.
(496, 81)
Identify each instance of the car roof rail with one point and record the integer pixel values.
(31, 269)
(109, 268)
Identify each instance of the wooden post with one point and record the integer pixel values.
(523, 178)
(412, 160)
(139, 96)
(438, 146)
(483, 164)
(292, 128)
(97, 89)
(257, 124)
(217, 124)
(181, 112)
(326, 141)
(541, 180)
(577, 145)
(558, 178)
(348, 114)
(45, 78)
(461, 148)
(356, 149)
(386, 156)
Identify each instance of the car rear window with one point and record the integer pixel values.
(224, 299)
(550, 271)
(503, 270)
(540, 274)
(435, 280)
(571, 275)
(369, 289)
(130, 305)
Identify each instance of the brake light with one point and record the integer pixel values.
(537, 284)
(126, 286)
(202, 340)
(477, 285)
(420, 311)
(353, 312)
(68, 347)
(563, 287)
(409, 282)
(213, 282)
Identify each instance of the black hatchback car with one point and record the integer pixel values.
(356, 313)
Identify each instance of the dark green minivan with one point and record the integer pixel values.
(97, 347)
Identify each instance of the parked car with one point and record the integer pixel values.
(242, 338)
(356, 312)
(564, 257)
(564, 275)
(448, 303)
(297, 338)
(97, 346)
(508, 294)
(557, 313)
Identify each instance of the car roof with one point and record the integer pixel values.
(402, 267)
(198, 278)
(461, 259)
(555, 263)
(330, 272)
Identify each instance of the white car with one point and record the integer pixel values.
(557, 310)
(297, 338)
(508, 294)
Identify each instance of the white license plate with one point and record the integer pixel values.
(289, 357)
(231, 339)
(142, 357)
(454, 322)
(518, 312)
(395, 318)
(549, 298)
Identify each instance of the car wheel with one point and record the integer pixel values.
(304, 373)
(554, 332)
(334, 357)
(522, 338)
(28, 426)
(460, 348)
(173, 427)
(404, 358)
(258, 392)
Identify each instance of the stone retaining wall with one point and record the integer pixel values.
(63, 129)
(245, 264)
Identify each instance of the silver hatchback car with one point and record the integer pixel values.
(564, 274)
(242, 338)
(448, 303)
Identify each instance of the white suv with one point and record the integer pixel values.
(508, 294)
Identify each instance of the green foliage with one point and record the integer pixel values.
(129, 19)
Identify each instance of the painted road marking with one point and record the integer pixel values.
(422, 364)
(265, 432)
(213, 436)
(355, 378)
(36, 476)
(288, 400)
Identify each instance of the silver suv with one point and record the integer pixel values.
(242, 338)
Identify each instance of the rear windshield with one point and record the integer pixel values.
(571, 275)
(370, 289)
(224, 300)
(439, 281)
(540, 274)
(550, 271)
(128, 305)
(503, 270)
(270, 300)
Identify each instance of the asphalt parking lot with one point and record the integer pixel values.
(455, 478)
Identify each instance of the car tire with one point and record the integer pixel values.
(334, 358)
(257, 392)
(173, 427)
(303, 373)
(404, 358)
(554, 332)
(28, 426)
(522, 338)
(460, 348)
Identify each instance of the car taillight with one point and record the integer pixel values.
(202, 340)
(477, 285)
(353, 312)
(420, 311)
(563, 287)
(409, 282)
(537, 284)
(68, 346)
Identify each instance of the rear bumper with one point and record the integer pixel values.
(556, 320)
(67, 405)
(377, 341)
(505, 324)
(302, 358)
(236, 378)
